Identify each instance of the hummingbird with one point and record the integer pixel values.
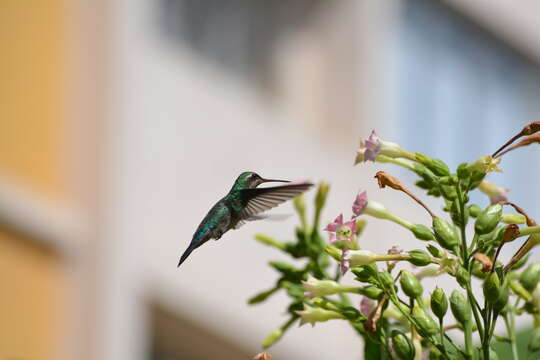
(244, 202)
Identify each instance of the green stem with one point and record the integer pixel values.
(468, 339)
(511, 334)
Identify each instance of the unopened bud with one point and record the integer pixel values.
(426, 326)
(488, 219)
(365, 273)
(462, 277)
(299, 204)
(322, 194)
(460, 307)
(444, 232)
(422, 232)
(438, 167)
(371, 291)
(534, 342)
(492, 288)
(333, 252)
(513, 219)
(530, 277)
(474, 210)
(419, 258)
(402, 345)
(435, 251)
(463, 171)
(439, 303)
(501, 302)
(410, 284)
(267, 240)
(386, 280)
(272, 338)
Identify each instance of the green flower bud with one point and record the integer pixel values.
(455, 213)
(422, 232)
(520, 291)
(425, 324)
(427, 175)
(333, 252)
(488, 219)
(435, 251)
(402, 345)
(460, 307)
(474, 210)
(262, 296)
(434, 192)
(462, 277)
(419, 258)
(445, 233)
(365, 273)
(534, 343)
(322, 194)
(492, 288)
(267, 240)
(386, 280)
(435, 354)
(463, 171)
(438, 167)
(371, 291)
(530, 277)
(272, 338)
(351, 313)
(299, 204)
(448, 192)
(410, 284)
(439, 303)
(501, 302)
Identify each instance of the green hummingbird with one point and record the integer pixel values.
(244, 202)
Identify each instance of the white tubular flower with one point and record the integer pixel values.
(312, 315)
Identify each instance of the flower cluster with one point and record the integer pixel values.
(392, 314)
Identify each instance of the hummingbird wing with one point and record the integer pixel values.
(259, 200)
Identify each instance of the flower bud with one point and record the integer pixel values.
(436, 165)
(462, 277)
(419, 258)
(386, 280)
(460, 307)
(299, 204)
(435, 354)
(371, 291)
(445, 233)
(410, 284)
(425, 324)
(485, 164)
(272, 338)
(366, 272)
(262, 296)
(463, 171)
(333, 252)
(474, 210)
(435, 251)
(439, 303)
(492, 288)
(322, 194)
(488, 219)
(422, 232)
(267, 240)
(501, 302)
(402, 345)
(520, 291)
(530, 277)
(534, 342)
(513, 219)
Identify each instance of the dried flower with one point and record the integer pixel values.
(486, 262)
(367, 305)
(263, 356)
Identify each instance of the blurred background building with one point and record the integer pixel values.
(122, 122)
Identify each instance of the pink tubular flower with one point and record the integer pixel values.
(366, 306)
(359, 204)
(372, 145)
(340, 230)
(496, 193)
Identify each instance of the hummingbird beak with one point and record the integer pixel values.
(274, 180)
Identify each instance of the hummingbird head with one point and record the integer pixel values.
(250, 180)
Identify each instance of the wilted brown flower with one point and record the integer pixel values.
(263, 356)
(485, 261)
(530, 129)
(510, 233)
